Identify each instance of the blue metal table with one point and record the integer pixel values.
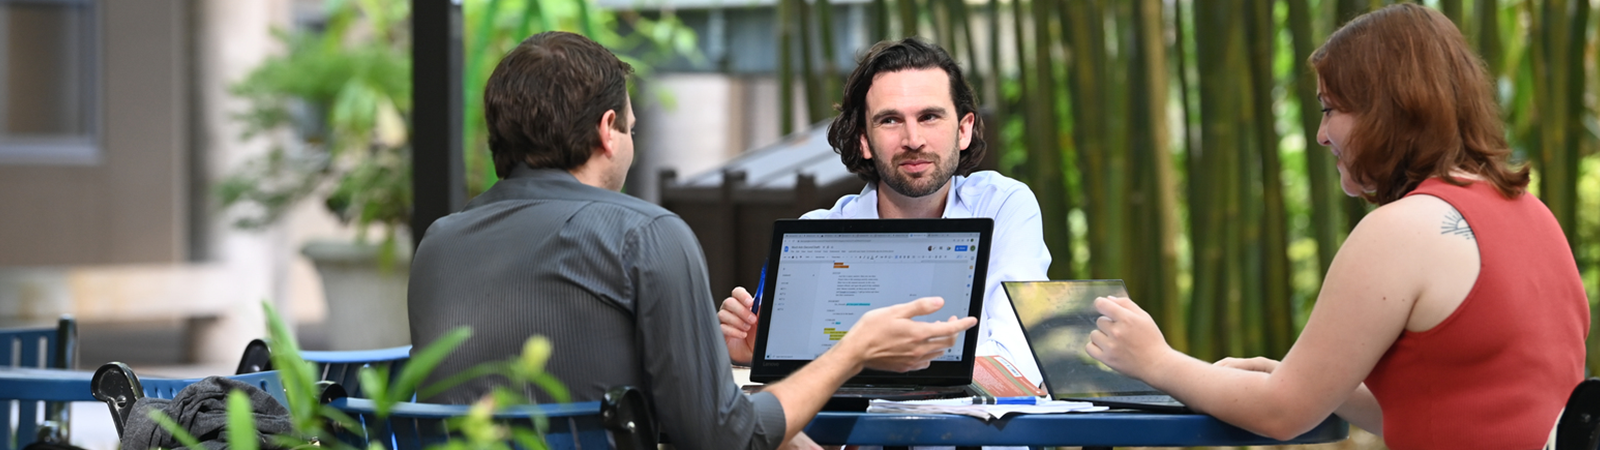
(45, 384)
(1104, 429)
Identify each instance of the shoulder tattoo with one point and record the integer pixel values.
(1455, 224)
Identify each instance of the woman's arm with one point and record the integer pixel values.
(1361, 408)
(1365, 304)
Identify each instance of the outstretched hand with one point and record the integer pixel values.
(887, 339)
(1127, 338)
(739, 326)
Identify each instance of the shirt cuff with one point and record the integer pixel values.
(770, 423)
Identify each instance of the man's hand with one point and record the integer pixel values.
(887, 339)
(739, 326)
(1256, 364)
(1127, 339)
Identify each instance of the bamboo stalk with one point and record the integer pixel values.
(1208, 183)
(908, 18)
(962, 17)
(785, 69)
(1453, 10)
(996, 97)
(1488, 33)
(1044, 144)
(829, 77)
(1277, 312)
(808, 75)
(880, 20)
(1157, 221)
(1086, 43)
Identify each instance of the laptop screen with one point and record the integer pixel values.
(827, 273)
(1056, 317)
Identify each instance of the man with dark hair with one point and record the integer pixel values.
(908, 125)
(617, 284)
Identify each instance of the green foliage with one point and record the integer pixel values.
(241, 427)
(494, 27)
(344, 94)
(310, 419)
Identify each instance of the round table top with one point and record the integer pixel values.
(1101, 429)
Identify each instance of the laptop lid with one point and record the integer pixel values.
(823, 274)
(1056, 318)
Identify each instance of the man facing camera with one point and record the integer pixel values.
(617, 284)
(908, 125)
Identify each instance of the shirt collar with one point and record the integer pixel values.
(523, 171)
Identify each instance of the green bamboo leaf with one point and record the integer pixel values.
(178, 432)
(552, 386)
(298, 376)
(375, 383)
(529, 439)
(423, 362)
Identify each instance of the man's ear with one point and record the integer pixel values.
(965, 132)
(866, 150)
(608, 133)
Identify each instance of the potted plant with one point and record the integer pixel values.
(343, 92)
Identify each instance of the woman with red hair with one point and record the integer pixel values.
(1453, 316)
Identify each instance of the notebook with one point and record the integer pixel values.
(824, 274)
(1056, 318)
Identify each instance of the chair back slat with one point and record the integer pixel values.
(21, 421)
(407, 433)
(32, 348)
(28, 420)
(167, 388)
(8, 439)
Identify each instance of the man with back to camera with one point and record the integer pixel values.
(908, 125)
(617, 284)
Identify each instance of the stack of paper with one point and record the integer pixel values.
(965, 406)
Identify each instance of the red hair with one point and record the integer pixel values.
(1421, 100)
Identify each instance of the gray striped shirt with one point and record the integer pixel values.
(617, 284)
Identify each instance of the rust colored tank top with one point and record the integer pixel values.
(1497, 371)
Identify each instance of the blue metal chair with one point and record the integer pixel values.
(42, 394)
(621, 421)
(342, 367)
(120, 389)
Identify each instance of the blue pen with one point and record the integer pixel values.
(1017, 400)
(761, 286)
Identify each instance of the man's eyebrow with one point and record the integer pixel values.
(880, 115)
(932, 110)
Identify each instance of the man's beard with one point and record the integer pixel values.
(915, 187)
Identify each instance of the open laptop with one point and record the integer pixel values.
(1056, 318)
(822, 275)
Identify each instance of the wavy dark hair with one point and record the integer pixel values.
(894, 56)
(1421, 101)
(545, 97)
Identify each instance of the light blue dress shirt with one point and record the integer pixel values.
(1016, 253)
